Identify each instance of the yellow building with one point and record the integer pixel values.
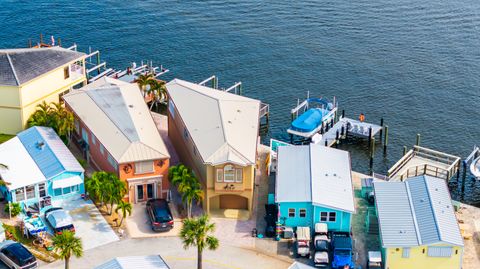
(418, 227)
(216, 134)
(33, 75)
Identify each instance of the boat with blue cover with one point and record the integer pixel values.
(474, 160)
(309, 116)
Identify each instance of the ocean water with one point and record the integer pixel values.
(414, 63)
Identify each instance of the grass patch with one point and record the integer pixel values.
(5, 137)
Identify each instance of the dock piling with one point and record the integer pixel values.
(418, 140)
(370, 136)
(385, 143)
(343, 113)
(464, 178)
(381, 130)
(372, 152)
(404, 150)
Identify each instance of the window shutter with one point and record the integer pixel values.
(239, 176)
(219, 175)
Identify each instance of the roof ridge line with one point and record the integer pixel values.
(13, 69)
(412, 211)
(433, 209)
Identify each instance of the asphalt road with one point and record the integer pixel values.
(172, 251)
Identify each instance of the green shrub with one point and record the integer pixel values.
(16, 209)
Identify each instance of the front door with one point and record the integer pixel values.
(139, 193)
(150, 191)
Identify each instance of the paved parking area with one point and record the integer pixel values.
(172, 251)
(89, 223)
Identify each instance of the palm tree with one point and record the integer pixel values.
(159, 90)
(126, 208)
(42, 116)
(64, 122)
(67, 244)
(190, 194)
(116, 190)
(178, 174)
(94, 185)
(143, 81)
(197, 232)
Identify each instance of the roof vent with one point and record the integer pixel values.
(130, 106)
(40, 145)
(238, 110)
(230, 121)
(422, 200)
(326, 175)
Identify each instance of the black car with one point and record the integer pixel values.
(160, 215)
(16, 256)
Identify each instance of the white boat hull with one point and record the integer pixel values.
(475, 168)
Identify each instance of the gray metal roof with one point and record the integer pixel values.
(317, 174)
(133, 262)
(293, 175)
(416, 212)
(18, 66)
(116, 113)
(223, 126)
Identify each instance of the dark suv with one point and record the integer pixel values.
(16, 256)
(160, 215)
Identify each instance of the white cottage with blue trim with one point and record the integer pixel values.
(39, 168)
(314, 184)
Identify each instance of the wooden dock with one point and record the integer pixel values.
(423, 161)
(344, 128)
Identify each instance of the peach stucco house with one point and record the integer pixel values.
(116, 132)
(216, 134)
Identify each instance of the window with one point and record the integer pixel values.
(41, 190)
(66, 190)
(439, 251)
(185, 133)
(77, 126)
(74, 188)
(57, 192)
(30, 191)
(302, 213)
(332, 217)
(406, 253)
(219, 175)
(94, 140)
(112, 162)
(19, 194)
(228, 173)
(62, 94)
(144, 167)
(194, 151)
(102, 149)
(239, 175)
(66, 72)
(291, 212)
(171, 108)
(328, 216)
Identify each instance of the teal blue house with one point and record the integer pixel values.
(314, 184)
(39, 170)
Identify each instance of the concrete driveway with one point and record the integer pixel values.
(89, 223)
(138, 224)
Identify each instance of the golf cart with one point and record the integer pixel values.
(321, 243)
(374, 260)
(303, 242)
